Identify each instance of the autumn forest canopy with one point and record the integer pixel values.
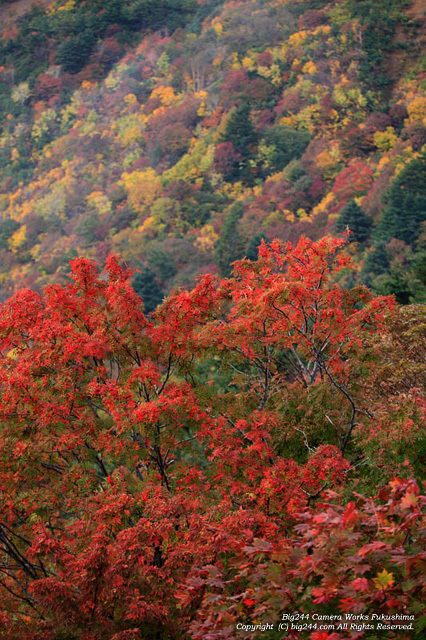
(251, 448)
(179, 133)
(212, 327)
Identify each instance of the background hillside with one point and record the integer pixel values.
(180, 133)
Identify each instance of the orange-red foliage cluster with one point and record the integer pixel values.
(171, 476)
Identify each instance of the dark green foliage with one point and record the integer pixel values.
(354, 218)
(230, 245)
(394, 283)
(240, 131)
(206, 9)
(73, 54)
(162, 263)
(241, 134)
(146, 287)
(7, 227)
(397, 270)
(298, 8)
(214, 369)
(404, 275)
(294, 172)
(378, 19)
(253, 246)
(144, 13)
(406, 209)
(419, 266)
(401, 282)
(154, 14)
(287, 144)
(377, 261)
(197, 206)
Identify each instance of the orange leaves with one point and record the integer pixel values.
(410, 500)
(131, 485)
(383, 580)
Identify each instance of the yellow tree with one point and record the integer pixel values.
(143, 188)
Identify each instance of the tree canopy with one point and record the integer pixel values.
(251, 446)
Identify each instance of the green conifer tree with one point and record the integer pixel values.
(74, 53)
(406, 205)
(356, 220)
(376, 262)
(230, 245)
(146, 287)
(241, 133)
(253, 246)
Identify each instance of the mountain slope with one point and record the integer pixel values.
(255, 120)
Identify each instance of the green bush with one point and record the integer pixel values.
(286, 144)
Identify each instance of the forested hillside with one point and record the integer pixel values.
(180, 133)
(212, 328)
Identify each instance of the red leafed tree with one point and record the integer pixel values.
(46, 86)
(158, 474)
(351, 182)
(226, 158)
(344, 559)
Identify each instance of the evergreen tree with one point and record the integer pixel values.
(146, 287)
(406, 208)
(403, 275)
(152, 14)
(241, 134)
(355, 218)
(378, 19)
(230, 245)
(253, 246)
(240, 131)
(7, 227)
(396, 283)
(286, 144)
(376, 262)
(162, 263)
(74, 53)
(420, 267)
